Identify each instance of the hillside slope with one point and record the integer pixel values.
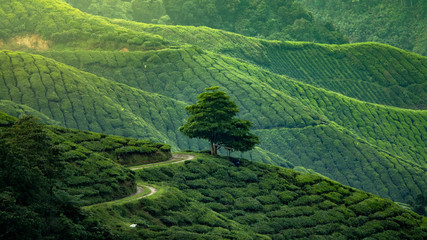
(212, 198)
(80, 100)
(370, 72)
(399, 23)
(47, 24)
(279, 20)
(274, 101)
(209, 198)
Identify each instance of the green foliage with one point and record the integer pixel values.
(398, 23)
(380, 144)
(371, 147)
(257, 206)
(213, 118)
(280, 20)
(55, 24)
(32, 203)
(369, 72)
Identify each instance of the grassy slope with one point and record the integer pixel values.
(211, 198)
(369, 72)
(62, 26)
(381, 163)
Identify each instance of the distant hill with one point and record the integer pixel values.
(402, 24)
(272, 19)
(370, 72)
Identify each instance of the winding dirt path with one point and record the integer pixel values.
(176, 158)
(152, 191)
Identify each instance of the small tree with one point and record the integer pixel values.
(213, 118)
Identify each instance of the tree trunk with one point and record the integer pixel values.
(212, 148)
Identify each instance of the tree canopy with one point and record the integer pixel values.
(213, 118)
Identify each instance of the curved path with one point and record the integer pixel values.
(140, 193)
(176, 158)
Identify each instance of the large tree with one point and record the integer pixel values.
(213, 118)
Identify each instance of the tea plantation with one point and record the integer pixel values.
(386, 74)
(90, 160)
(46, 24)
(213, 198)
(282, 107)
(354, 113)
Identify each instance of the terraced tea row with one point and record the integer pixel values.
(387, 75)
(267, 201)
(80, 100)
(182, 73)
(338, 154)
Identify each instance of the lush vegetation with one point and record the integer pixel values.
(45, 24)
(296, 114)
(213, 198)
(34, 202)
(377, 148)
(272, 19)
(213, 118)
(395, 22)
(370, 72)
(89, 160)
(47, 173)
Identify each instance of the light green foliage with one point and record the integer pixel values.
(84, 101)
(398, 23)
(63, 26)
(212, 196)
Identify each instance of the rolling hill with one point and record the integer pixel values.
(369, 72)
(209, 198)
(285, 88)
(279, 20)
(213, 198)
